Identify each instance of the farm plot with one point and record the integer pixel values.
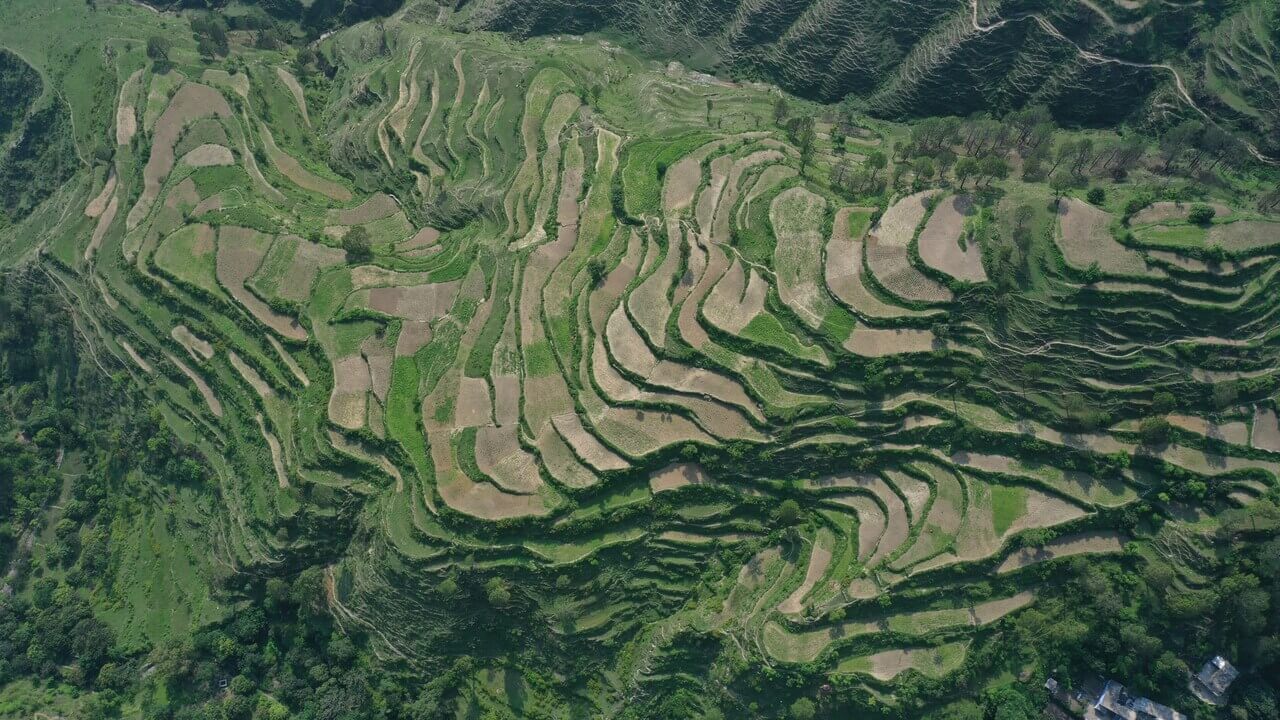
(1084, 236)
(191, 102)
(1065, 546)
(942, 237)
(240, 254)
(189, 255)
(932, 662)
(1266, 429)
(299, 175)
(797, 218)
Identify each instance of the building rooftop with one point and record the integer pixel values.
(1116, 702)
(1214, 680)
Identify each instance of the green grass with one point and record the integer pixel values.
(539, 360)
(643, 168)
(767, 330)
(402, 415)
(480, 357)
(1177, 235)
(838, 324)
(183, 255)
(213, 180)
(1008, 503)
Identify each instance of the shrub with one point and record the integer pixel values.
(1154, 430)
(357, 243)
(1201, 214)
(1096, 196)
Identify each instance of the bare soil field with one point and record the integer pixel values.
(240, 253)
(891, 265)
(1085, 238)
(296, 173)
(378, 206)
(877, 342)
(499, 456)
(250, 376)
(1266, 429)
(203, 387)
(677, 476)
(347, 402)
(585, 445)
(198, 348)
(940, 241)
(797, 218)
(473, 407)
(1165, 211)
(1236, 433)
(898, 225)
(1245, 235)
(277, 457)
(819, 559)
(209, 155)
(1067, 545)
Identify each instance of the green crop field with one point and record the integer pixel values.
(412, 360)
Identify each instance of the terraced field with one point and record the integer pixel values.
(605, 331)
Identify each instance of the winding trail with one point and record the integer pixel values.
(1104, 59)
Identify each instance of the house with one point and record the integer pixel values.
(1214, 680)
(1115, 703)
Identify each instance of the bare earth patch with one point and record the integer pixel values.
(277, 457)
(1245, 235)
(473, 407)
(586, 445)
(300, 176)
(98, 204)
(295, 89)
(198, 348)
(203, 387)
(191, 102)
(378, 206)
(209, 155)
(1164, 211)
(250, 376)
(350, 392)
(1266, 429)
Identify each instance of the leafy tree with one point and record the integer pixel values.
(158, 48)
(994, 167)
(788, 512)
(1060, 184)
(876, 161)
(357, 243)
(803, 709)
(965, 168)
(1154, 430)
(1201, 214)
(596, 271)
(1096, 196)
(781, 111)
(498, 593)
